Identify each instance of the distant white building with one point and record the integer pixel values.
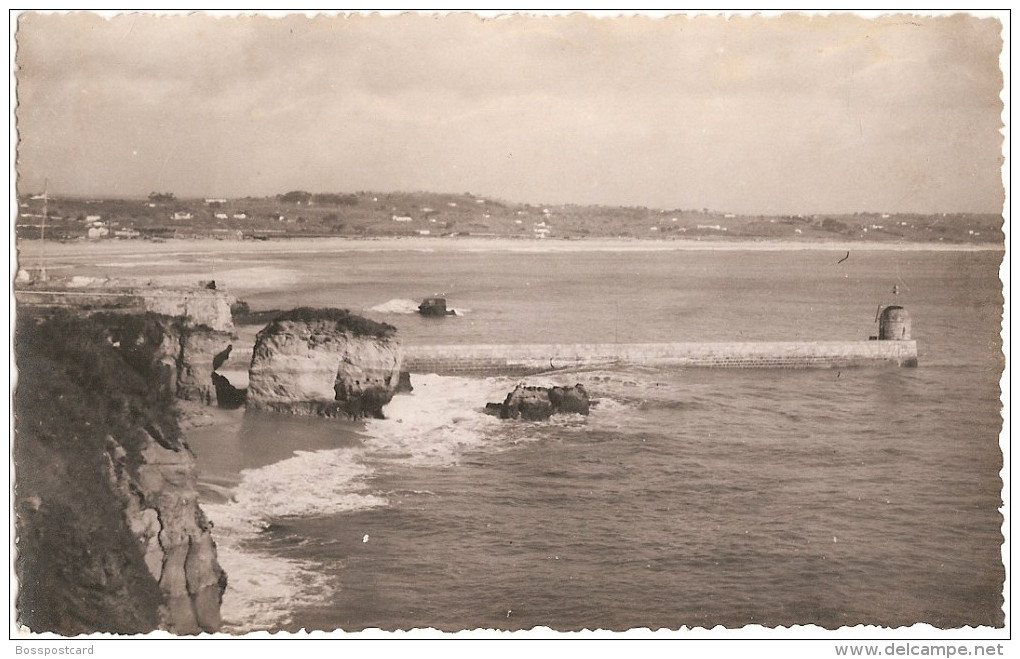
(215, 201)
(97, 232)
(220, 216)
(423, 232)
(93, 218)
(402, 218)
(181, 215)
(241, 216)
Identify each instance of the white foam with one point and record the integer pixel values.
(262, 590)
(396, 306)
(309, 483)
(436, 423)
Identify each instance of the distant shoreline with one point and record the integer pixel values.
(34, 249)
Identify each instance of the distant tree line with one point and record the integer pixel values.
(161, 197)
(302, 197)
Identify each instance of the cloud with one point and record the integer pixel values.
(789, 113)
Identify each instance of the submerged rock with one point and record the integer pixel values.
(539, 403)
(324, 362)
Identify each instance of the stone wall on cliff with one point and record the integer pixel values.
(200, 306)
(324, 362)
(110, 536)
(195, 305)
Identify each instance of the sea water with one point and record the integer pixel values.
(696, 498)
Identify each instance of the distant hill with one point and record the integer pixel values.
(369, 214)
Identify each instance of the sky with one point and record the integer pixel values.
(747, 114)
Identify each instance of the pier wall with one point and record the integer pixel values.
(200, 306)
(526, 359)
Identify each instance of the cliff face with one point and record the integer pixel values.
(199, 306)
(324, 362)
(110, 537)
(184, 352)
(196, 349)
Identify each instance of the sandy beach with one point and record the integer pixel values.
(31, 252)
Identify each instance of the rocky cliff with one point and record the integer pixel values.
(325, 362)
(110, 537)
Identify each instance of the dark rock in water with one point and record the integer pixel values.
(404, 383)
(228, 396)
(539, 403)
(528, 403)
(434, 306)
(570, 400)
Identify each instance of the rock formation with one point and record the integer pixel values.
(228, 396)
(324, 362)
(184, 351)
(110, 537)
(539, 403)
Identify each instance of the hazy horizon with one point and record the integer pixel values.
(792, 114)
(191, 198)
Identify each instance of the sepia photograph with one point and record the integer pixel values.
(518, 325)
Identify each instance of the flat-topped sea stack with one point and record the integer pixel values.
(324, 362)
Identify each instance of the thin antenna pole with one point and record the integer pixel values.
(42, 234)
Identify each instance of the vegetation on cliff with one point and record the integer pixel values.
(343, 320)
(92, 398)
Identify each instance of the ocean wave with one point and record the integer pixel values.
(396, 306)
(310, 483)
(262, 588)
(407, 307)
(436, 423)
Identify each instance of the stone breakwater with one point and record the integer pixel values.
(528, 359)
